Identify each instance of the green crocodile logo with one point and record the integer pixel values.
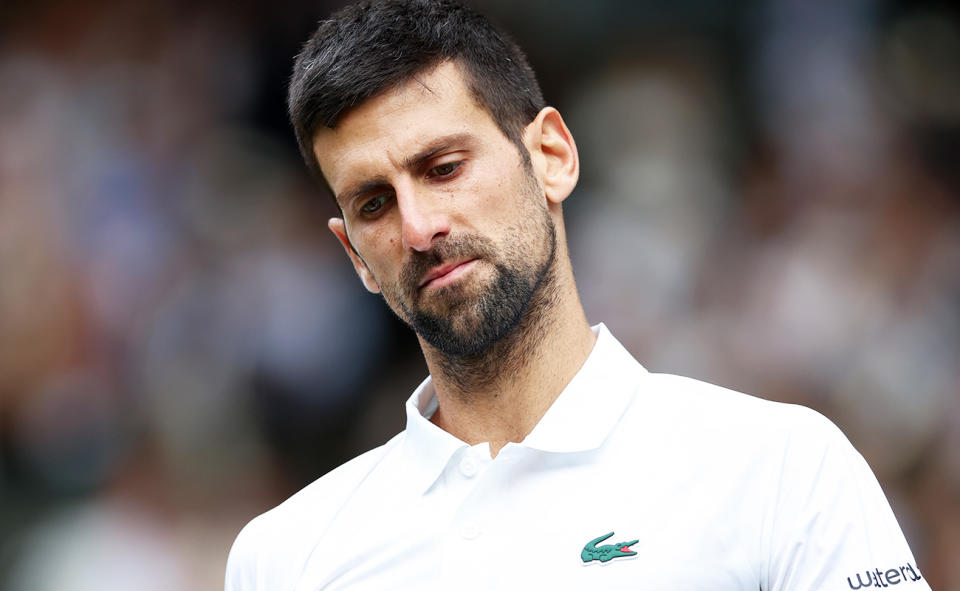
(606, 552)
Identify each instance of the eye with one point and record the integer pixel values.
(372, 206)
(444, 169)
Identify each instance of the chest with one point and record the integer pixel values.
(542, 522)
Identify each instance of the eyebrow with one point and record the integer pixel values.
(438, 145)
(411, 162)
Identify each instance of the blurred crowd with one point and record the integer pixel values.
(770, 201)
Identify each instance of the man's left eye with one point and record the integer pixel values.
(444, 169)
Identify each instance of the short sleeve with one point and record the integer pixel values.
(830, 526)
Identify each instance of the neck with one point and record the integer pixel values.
(499, 395)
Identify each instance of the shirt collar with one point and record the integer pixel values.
(580, 419)
(589, 408)
(427, 447)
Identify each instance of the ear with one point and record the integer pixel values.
(554, 154)
(339, 230)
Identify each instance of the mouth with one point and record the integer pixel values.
(446, 273)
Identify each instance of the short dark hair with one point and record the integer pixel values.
(370, 47)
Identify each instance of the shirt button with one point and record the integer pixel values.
(468, 467)
(470, 531)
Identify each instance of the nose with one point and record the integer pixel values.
(423, 218)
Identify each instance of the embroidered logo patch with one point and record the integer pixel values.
(606, 552)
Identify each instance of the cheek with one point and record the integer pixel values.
(512, 199)
(379, 249)
(488, 204)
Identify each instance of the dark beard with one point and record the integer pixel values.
(471, 326)
(510, 322)
(484, 336)
(484, 333)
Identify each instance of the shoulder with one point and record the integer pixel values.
(803, 458)
(707, 403)
(272, 547)
(703, 422)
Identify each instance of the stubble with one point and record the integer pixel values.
(484, 332)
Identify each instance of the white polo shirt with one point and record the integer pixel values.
(697, 486)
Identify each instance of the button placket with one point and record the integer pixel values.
(470, 531)
(469, 466)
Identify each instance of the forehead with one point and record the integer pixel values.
(385, 130)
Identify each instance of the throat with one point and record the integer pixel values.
(495, 418)
(498, 395)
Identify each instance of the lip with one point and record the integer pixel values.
(446, 273)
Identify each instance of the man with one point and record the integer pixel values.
(538, 454)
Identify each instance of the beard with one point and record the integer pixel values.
(469, 317)
(461, 324)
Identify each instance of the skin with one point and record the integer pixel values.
(422, 166)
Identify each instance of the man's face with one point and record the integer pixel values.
(444, 216)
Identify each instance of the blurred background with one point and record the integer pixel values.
(770, 201)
